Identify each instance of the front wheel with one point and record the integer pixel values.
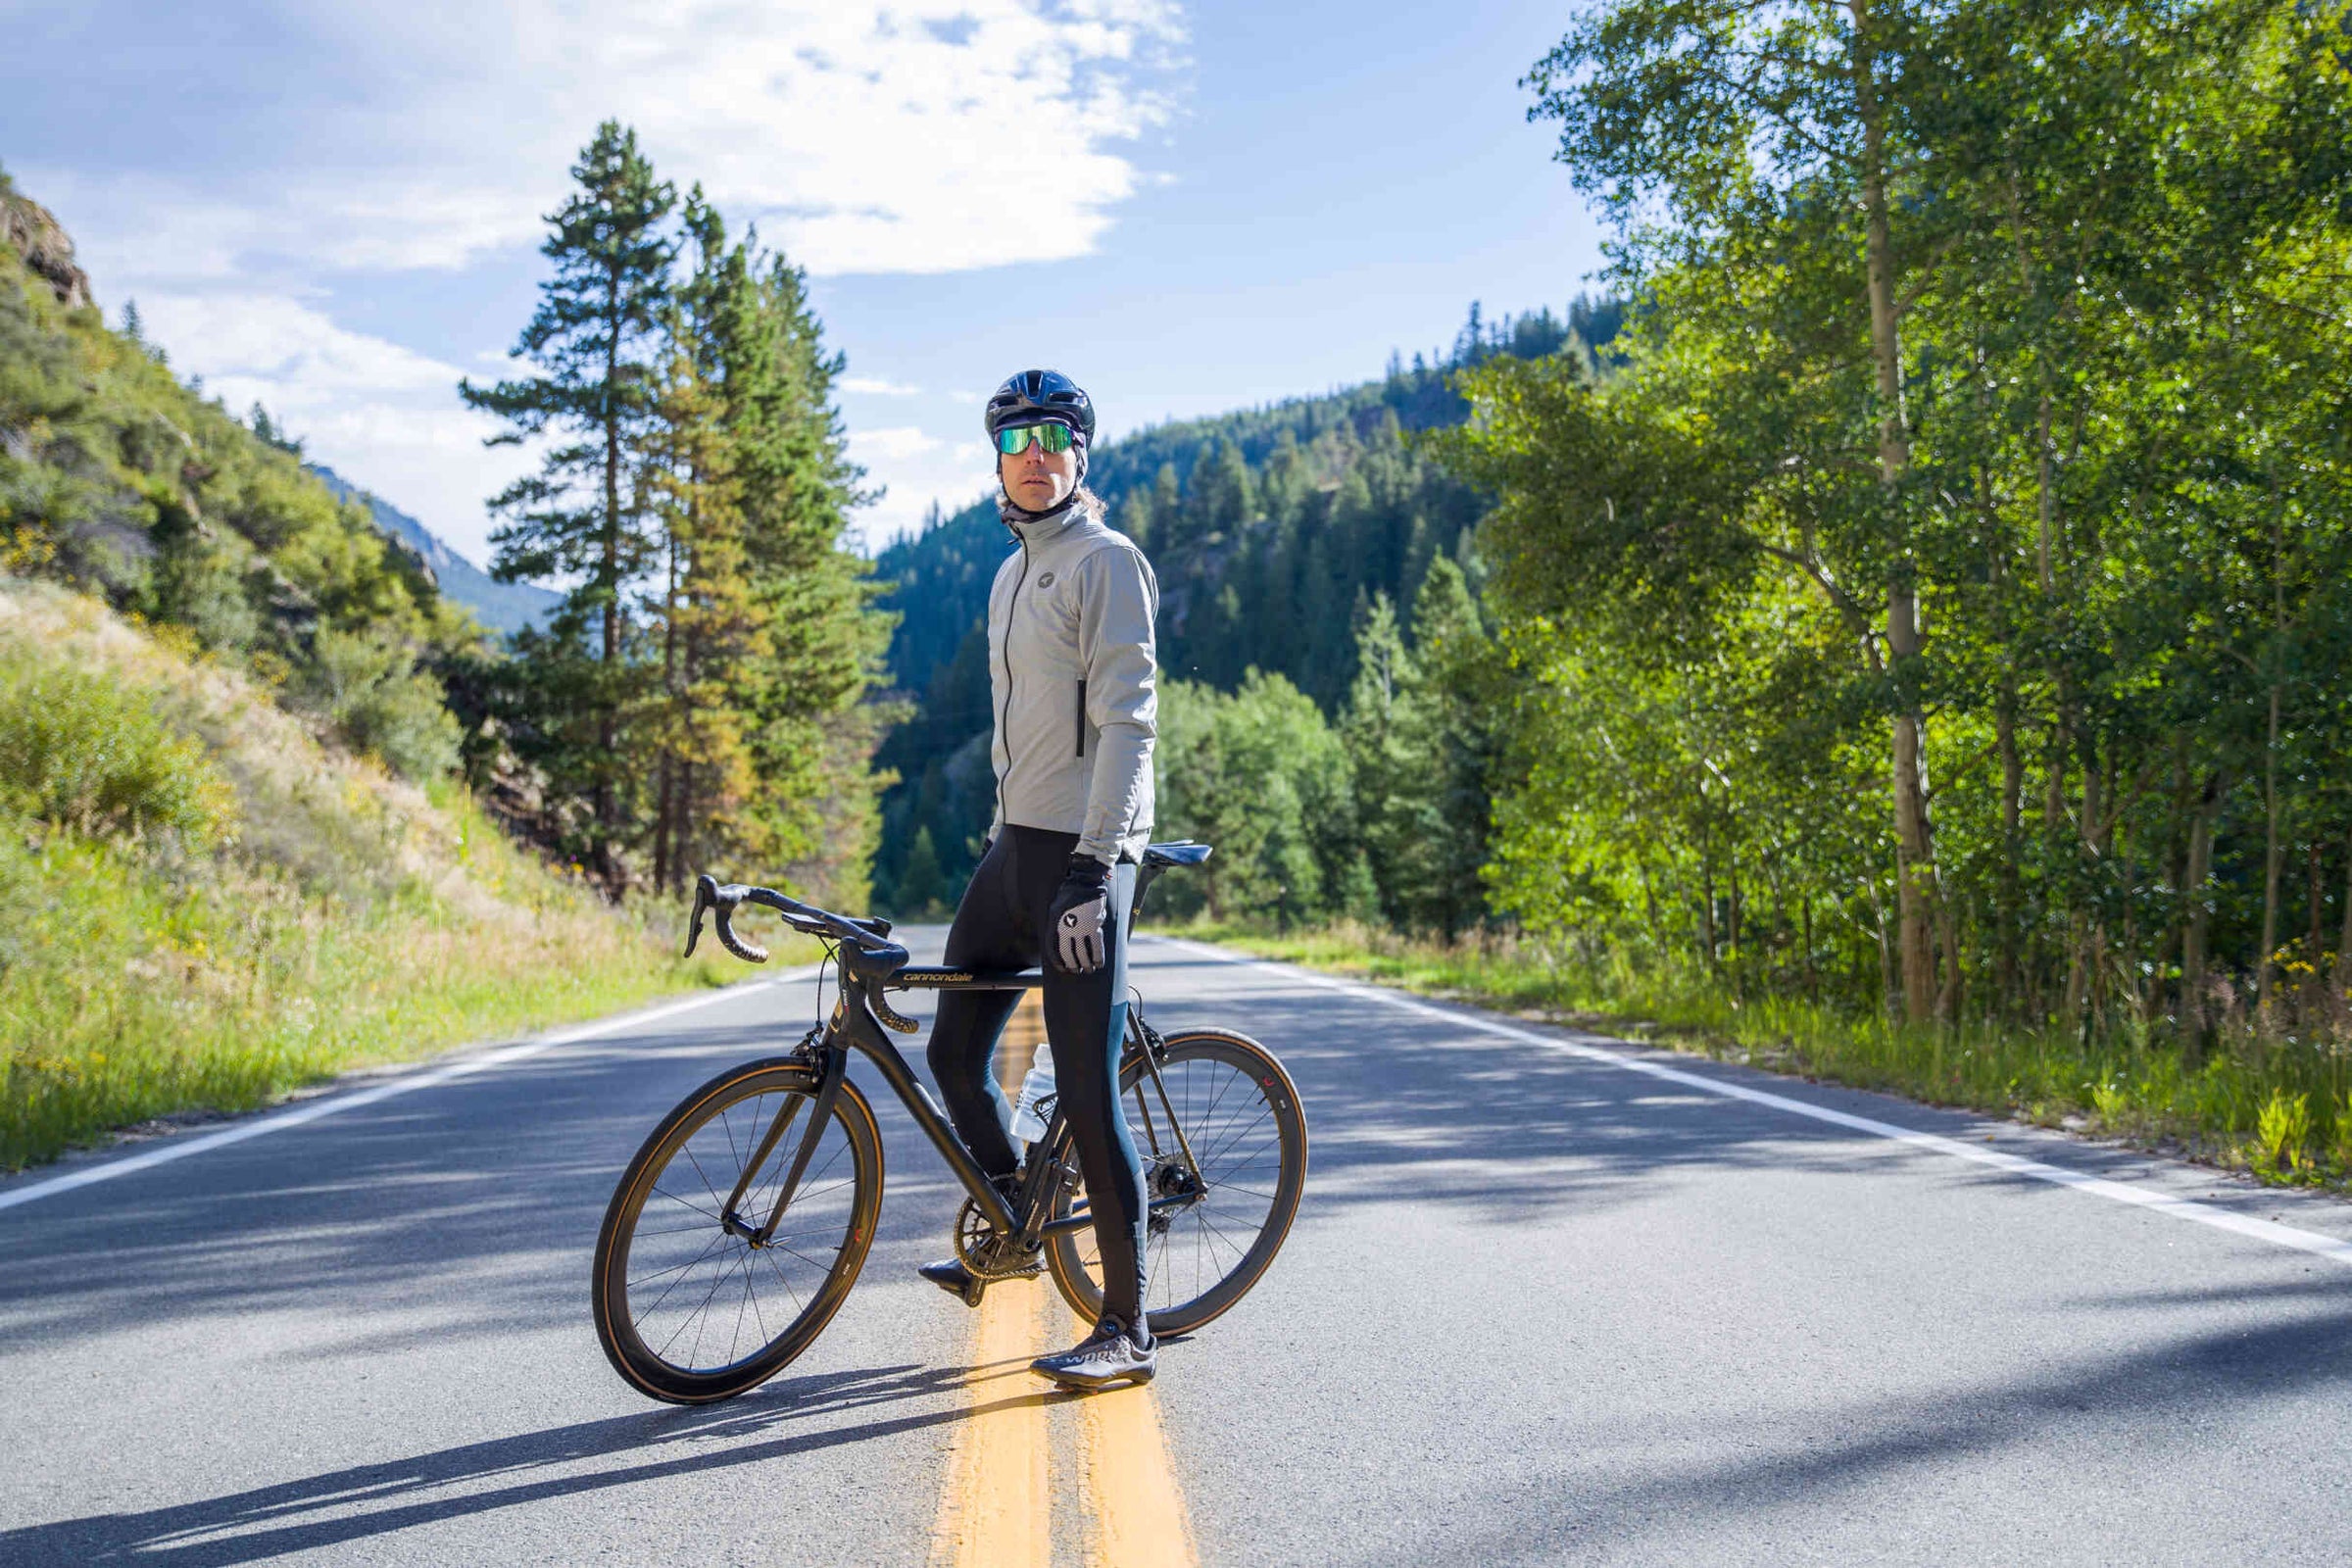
(690, 1304)
(1208, 1238)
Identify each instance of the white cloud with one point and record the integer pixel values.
(382, 416)
(917, 466)
(864, 135)
(922, 136)
(896, 441)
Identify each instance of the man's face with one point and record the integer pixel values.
(1037, 479)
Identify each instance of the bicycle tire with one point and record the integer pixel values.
(1217, 1143)
(724, 1119)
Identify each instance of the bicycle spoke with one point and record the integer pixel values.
(717, 1201)
(711, 1214)
(1225, 1143)
(779, 1270)
(695, 1317)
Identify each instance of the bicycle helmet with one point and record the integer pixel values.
(1033, 397)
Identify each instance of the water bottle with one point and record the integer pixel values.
(1027, 1124)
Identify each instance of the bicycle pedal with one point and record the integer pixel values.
(973, 1292)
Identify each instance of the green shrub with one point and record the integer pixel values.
(374, 691)
(2281, 1131)
(86, 752)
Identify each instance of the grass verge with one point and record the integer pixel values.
(204, 905)
(2272, 1105)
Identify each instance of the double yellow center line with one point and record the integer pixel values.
(996, 1510)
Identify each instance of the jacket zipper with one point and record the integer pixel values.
(1082, 717)
(1005, 710)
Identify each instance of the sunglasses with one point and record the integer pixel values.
(1052, 437)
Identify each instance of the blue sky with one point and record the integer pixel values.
(1190, 207)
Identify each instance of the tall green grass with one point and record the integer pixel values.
(2251, 1100)
(204, 905)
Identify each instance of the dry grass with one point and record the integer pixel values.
(338, 918)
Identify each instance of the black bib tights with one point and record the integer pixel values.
(1001, 924)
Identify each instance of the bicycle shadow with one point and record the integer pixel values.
(775, 1422)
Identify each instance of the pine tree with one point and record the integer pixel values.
(1372, 731)
(584, 516)
(705, 618)
(920, 886)
(1453, 723)
(811, 640)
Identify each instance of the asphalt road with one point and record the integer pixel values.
(1540, 1306)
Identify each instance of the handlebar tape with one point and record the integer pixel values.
(722, 903)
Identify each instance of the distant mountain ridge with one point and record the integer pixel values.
(503, 607)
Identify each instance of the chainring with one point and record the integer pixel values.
(981, 1249)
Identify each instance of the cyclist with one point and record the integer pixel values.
(1071, 668)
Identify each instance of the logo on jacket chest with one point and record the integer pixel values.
(1045, 580)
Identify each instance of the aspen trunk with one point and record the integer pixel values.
(2011, 912)
(1813, 980)
(1915, 879)
(2200, 911)
(2269, 861)
(1915, 858)
(1706, 913)
(1947, 934)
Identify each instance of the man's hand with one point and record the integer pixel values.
(1080, 913)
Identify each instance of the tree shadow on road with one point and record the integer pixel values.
(785, 1419)
(1855, 1478)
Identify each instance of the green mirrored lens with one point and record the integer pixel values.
(1052, 437)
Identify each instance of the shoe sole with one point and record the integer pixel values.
(1071, 1380)
(957, 1290)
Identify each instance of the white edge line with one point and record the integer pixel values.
(2262, 1230)
(335, 1104)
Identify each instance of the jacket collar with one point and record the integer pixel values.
(1043, 527)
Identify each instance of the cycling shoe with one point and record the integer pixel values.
(1113, 1354)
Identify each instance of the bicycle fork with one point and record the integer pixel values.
(836, 1068)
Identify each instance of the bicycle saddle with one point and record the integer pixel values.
(1177, 852)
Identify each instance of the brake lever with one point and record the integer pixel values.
(705, 893)
(722, 903)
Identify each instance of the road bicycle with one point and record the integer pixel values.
(737, 1231)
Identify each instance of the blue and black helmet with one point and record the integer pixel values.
(1033, 397)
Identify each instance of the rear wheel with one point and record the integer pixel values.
(1208, 1240)
(688, 1306)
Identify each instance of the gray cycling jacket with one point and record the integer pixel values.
(1071, 665)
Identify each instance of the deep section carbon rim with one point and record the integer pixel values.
(691, 1303)
(1239, 1114)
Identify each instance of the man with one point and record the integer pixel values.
(1071, 668)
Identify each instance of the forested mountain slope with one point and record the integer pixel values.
(1273, 532)
(121, 480)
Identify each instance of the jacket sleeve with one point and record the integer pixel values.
(1118, 604)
